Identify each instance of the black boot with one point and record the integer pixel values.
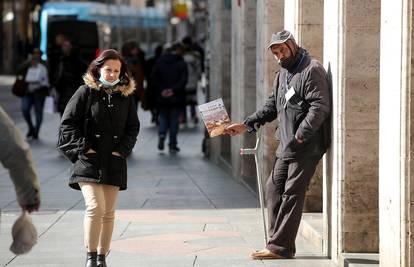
(161, 141)
(101, 260)
(91, 259)
(30, 133)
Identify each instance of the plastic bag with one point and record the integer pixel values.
(49, 105)
(24, 234)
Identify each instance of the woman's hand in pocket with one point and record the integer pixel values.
(117, 154)
(90, 151)
(299, 141)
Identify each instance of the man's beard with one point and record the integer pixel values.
(287, 63)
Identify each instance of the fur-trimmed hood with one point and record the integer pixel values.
(125, 90)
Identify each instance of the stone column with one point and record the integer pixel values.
(270, 17)
(243, 85)
(396, 177)
(2, 37)
(351, 47)
(291, 16)
(304, 19)
(219, 71)
(309, 32)
(24, 24)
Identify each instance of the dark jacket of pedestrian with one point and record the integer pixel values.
(170, 72)
(135, 59)
(68, 78)
(301, 116)
(151, 93)
(111, 125)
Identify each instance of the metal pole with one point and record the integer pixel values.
(255, 151)
(261, 197)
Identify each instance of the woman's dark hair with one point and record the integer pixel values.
(106, 55)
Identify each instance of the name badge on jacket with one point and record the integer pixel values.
(289, 94)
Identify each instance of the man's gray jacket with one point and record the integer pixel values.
(302, 115)
(15, 156)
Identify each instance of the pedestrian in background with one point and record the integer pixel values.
(135, 60)
(16, 157)
(301, 101)
(169, 78)
(98, 130)
(37, 79)
(68, 76)
(150, 90)
(192, 58)
(195, 46)
(26, 64)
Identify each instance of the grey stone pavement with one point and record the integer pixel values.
(179, 210)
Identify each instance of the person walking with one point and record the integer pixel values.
(135, 59)
(169, 78)
(150, 91)
(68, 76)
(98, 130)
(301, 102)
(37, 78)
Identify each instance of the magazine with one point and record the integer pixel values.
(215, 117)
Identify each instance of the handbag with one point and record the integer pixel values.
(19, 87)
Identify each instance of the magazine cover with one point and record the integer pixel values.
(215, 117)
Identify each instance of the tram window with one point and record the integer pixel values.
(84, 38)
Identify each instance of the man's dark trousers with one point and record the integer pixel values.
(285, 195)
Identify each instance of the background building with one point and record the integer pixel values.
(19, 31)
(20, 25)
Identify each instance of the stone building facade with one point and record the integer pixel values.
(17, 32)
(366, 176)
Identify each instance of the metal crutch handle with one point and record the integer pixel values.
(254, 151)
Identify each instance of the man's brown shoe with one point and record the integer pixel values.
(265, 254)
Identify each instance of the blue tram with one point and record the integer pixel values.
(95, 26)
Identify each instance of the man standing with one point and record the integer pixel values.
(70, 70)
(169, 77)
(301, 102)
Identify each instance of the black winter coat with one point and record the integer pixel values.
(170, 72)
(68, 78)
(303, 115)
(110, 125)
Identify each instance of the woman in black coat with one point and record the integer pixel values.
(98, 130)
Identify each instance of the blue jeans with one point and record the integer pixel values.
(28, 101)
(168, 122)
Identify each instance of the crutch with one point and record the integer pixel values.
(254, 151)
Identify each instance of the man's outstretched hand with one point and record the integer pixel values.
(235, 129)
